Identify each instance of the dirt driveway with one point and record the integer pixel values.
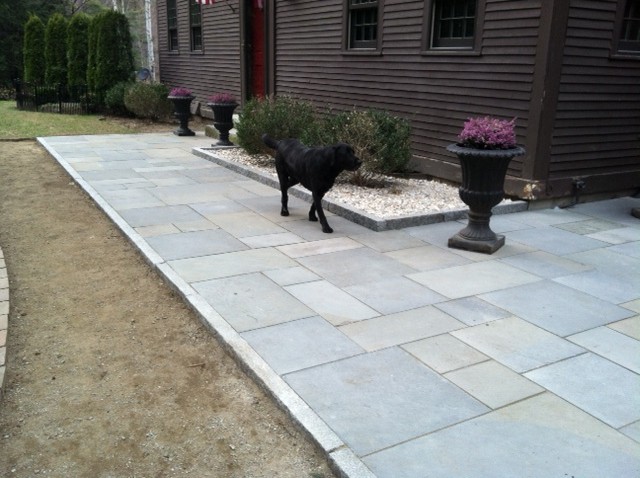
(109, 373)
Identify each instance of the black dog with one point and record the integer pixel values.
(315, 168)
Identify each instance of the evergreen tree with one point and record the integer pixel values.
(92, 54)
(55, 53)
(114, 58)
(77, 49)
(33, 51)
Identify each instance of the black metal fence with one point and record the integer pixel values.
(53, 99)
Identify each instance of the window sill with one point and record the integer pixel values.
(625, 55)
(451, 52)
(196, 52)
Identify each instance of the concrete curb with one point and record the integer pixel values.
(355, 215)
(4, 318)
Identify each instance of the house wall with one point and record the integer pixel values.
(437, 92)
(596, 136)
(218, 67)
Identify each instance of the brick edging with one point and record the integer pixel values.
(4, 318)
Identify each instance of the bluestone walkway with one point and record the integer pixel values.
(401, 357)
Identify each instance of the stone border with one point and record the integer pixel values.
(362, 218)
(4, 318)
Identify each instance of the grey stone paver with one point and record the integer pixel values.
(612, 345)
(386, 241)
(630, 327)
(444, 353)
(546, 265)
(331, 302)
(251, 301)
(491, 276)
(195, 244)
(300, 344)
(517, 344)
(426, 258)
(536, 438)
(392, 295)
(382, 398)
(378, 342)
(151, 216)
(356, 266)
(556, 308)
(595, 385)
(555, 241)
(472, 311)
(400, 328)
(230, 264)
(493, 384)
(247, 224)
(325, 246)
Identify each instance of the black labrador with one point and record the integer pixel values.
(315, 168)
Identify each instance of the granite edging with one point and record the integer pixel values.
(362, 218)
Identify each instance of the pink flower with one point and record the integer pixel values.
(180, 91)
(488, 133)
(222, 98)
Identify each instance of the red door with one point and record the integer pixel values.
(257, 53)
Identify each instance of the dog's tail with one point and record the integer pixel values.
(269, 141)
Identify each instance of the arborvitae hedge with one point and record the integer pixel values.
(55, 53)
(33, 50)
(113, 55)
(77, 49)
(92, 44)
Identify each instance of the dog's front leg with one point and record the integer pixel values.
(316, 205)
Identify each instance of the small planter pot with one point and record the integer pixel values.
(483, 174)
(182, 111)
(223, 120)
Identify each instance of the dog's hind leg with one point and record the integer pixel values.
(283, 178)
(316, 206)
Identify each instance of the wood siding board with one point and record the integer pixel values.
(214, 69)
(598, 121)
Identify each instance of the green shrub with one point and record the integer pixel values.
(281, 117)
(148, 100)
(55, 52)
(381, 140)
(77, 49)
(33, 50)
(114, 99)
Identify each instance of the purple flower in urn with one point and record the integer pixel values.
(488, 133)
(180, 91)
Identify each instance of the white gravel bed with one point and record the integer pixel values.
(399, 197)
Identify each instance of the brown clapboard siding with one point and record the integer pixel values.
(217, 67)
(436, 92)
(597, 125)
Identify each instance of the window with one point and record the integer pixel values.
(363, 24)
(629, 38)
(453, 24)
(172, 23)
(195, 23)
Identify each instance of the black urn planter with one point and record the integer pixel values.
(182, 111)
(483, 174)
(223, 120)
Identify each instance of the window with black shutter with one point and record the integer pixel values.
(172, 23)
(195, 25)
